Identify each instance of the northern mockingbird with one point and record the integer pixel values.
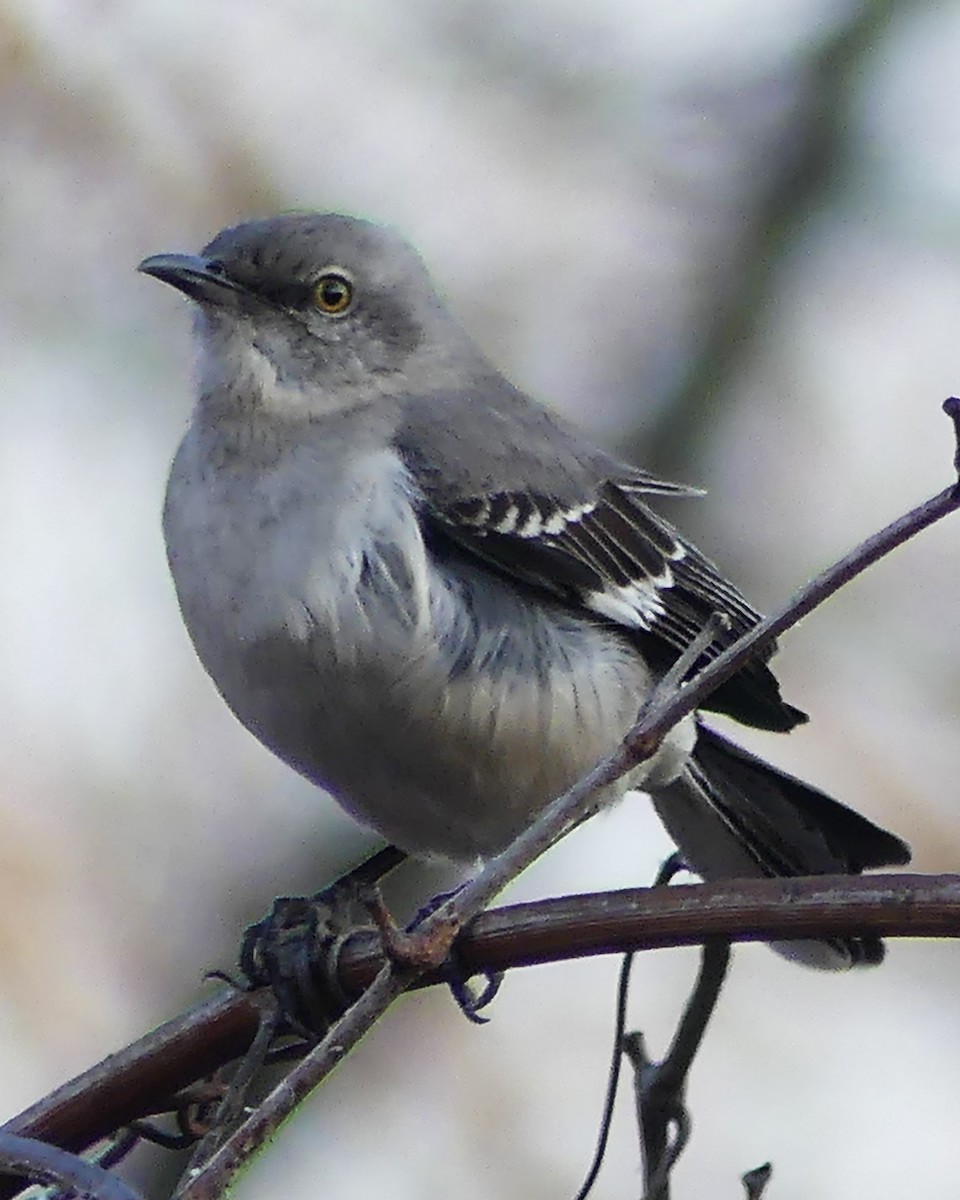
(436, 599)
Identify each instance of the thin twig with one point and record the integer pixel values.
(671, 867)
(613, 1078)
(755, 1181)
(660, 1087)
(230, 1108)
(42, 1163)
(211, 1181)
(112, 1154)
(693, 1024)
(140, 1079)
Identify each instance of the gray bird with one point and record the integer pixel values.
(433, 597)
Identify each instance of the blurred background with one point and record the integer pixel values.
(724, 235)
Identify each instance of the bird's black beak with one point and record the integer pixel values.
(202, 279)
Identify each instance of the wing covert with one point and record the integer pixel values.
(608, 553)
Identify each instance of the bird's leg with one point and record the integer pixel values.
(294, 949)
(436, 949)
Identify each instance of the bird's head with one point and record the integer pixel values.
(313, 312)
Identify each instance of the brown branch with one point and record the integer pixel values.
(142, 1078)
(754, 910)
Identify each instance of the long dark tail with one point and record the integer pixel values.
(733, 816)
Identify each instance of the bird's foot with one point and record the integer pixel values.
(295, 951)
(434, 948)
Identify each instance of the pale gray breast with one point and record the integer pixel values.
(434, 700)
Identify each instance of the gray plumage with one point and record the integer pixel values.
(433, 597)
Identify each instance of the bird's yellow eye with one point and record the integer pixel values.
(333, 293)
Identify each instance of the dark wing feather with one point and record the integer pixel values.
(611, 555)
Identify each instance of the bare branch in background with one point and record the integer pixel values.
(808, 156)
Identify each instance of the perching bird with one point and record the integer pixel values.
(433, 597)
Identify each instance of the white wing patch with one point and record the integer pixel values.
(526, 518)
(558, 521)
(508, 522)
(637, 605)
(619, 557)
